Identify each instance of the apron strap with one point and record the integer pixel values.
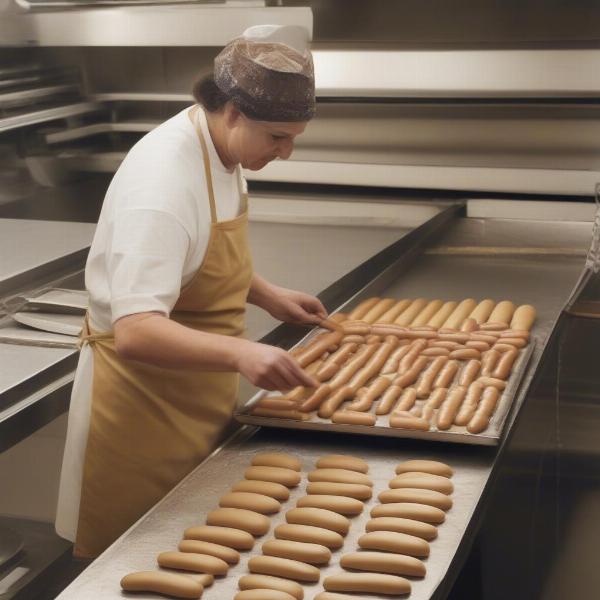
(243, 195)
(208, 172)
(87, 337)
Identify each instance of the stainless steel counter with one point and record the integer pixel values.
(542, 279)
(309, 258)
(22, 364)
(301, 264)
(188, 504)
(29, 248)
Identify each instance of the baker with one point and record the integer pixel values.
(169, 274)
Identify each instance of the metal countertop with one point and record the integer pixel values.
(187, 504)
(28, 245)
(309, 258)
(545, 281)
(303, 265)
(21, 363)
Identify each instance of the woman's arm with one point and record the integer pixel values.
(157, 340)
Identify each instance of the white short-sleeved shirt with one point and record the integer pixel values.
(155, 222)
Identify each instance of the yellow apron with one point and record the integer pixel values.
(151, 426)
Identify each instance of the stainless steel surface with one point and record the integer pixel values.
(12, 332)
(10, 544)
(305, 263)
(77, 133)
(51, 322)
(30, 247)
(25, 368)
(542, 280)
(41, 549)
(456, 434)
(48, 114)
(59, 300)
(166, 25)
(188, 504)
(490, 73)
(29, 96)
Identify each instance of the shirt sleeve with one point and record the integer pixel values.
(145, 260)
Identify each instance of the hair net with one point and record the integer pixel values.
(267, 78)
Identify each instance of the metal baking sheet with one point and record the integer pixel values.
(51, 322)
(489, 437)
(58, 300)
(188, 504)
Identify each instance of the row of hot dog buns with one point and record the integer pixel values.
(422, 377)
(397, 534)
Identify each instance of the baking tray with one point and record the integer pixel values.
(459, 434)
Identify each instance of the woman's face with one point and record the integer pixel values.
(254, 144)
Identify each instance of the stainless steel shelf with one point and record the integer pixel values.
(86, 131)
(141, 97)
(49, 114)
(28, 96)
(167, 25)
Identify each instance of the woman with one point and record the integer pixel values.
(169, 274)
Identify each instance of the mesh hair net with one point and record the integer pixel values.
(267, 81)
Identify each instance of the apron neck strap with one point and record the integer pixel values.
(208, 172)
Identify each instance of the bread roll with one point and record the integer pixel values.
(339, 476)
(239, 518)
(265, 594)
(425, 531)
(351, 490)
(418, 496)
(410, 510)
(268, 582)
(283, 567)
(314, 554)
(310, 534)
(318, 517)
(392, 541)
(229, 555)
(424, 466)
(277, 459)
(338, 504)
(352, 417)
(362, 309)
(287, 477)
(371, 583)
(342, 461)
(384, 562)
(266, 488)
(169, 584)
(199, 563)
(414, 480)
(226, 536)
(259, 503)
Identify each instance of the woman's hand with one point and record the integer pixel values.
(271, 368)
(286, 305)
(291, 306)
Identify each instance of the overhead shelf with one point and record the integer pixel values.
(458, 73)
(492, 179)
(69, 135)
(27, 96)
(48, 114)
(166, 25)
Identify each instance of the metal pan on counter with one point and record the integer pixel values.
(455, 433)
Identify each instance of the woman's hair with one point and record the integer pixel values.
(207, 93)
